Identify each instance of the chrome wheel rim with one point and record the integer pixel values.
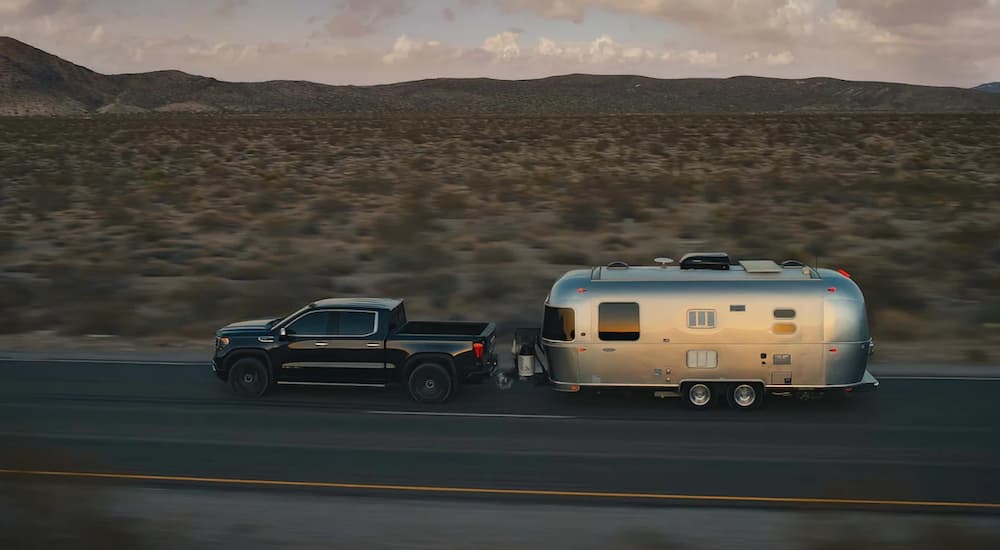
(699, 394)
(744, 395)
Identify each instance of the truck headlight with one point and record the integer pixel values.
(221, 341)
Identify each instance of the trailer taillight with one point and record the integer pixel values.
(477, 348)
(844, 273)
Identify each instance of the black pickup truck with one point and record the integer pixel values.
(361, 341)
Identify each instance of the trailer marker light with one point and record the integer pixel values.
(477, 348)
(574, 388)
(833, 350)
(844, 273)
(581, 290)
(832, 289)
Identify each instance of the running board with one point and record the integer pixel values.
(339, 384)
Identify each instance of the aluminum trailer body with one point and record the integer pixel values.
(774, 328)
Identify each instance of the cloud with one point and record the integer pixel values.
(553, 9)
(358, 18)
(405, 47)
(229, 8)
(782, 58)
(893, 13)
(97, 35)
(503, 45)
(40, 8)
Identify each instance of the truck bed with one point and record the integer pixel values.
(442, 328)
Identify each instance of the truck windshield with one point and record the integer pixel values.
(559, 324)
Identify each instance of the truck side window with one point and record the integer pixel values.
(559, 324)
(618, 321)
(352, 323)
(310, 324)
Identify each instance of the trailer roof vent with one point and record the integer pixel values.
(664, 262)
(792, 263)
(760, 266)
(618, 265)
(706, 260)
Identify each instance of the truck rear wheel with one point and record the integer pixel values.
(430, 383)
(698, 395)
(249, 378)
(745, 396)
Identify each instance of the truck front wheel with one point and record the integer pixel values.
(430, 383)
(249, 377)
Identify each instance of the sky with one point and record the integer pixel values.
(935, 42)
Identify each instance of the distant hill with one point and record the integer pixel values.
(992, 87)
(33, 82)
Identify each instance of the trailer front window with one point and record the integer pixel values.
(618, 321)
(559, 324)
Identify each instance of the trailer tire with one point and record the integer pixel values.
(698, 395)
(745, 396)
(430, 383)
(250, 378)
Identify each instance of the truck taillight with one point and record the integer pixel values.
(477, 348)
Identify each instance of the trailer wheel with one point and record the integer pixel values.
(249, 378)
(745, 396)
(430, 383)
(698, 395)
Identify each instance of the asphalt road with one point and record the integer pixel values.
(911, 443)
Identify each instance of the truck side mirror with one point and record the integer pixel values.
(282, 334)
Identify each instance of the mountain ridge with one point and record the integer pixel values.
(35, 82)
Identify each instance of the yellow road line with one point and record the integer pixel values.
(519, 492)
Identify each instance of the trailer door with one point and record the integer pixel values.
(618, 354)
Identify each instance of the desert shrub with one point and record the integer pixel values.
(8, 242)
(583, 214)
(565, 256)
(884, 230)
(615, 242)
(893, 324)
(330, 205)
(495, 285)
(417, 257)
(451, 202)
(887, 288)
(200, 297)
(437, 287)
(215, 220)
(494, 254)
(976, 355)
(402, 227)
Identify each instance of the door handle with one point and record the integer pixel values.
(609, 349)
(373, 345)
(322, 344)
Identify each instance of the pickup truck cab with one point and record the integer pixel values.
(359, 341)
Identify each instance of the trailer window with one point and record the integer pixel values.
(559, 324)
(701, 318)
(618, 321)
(784, 314)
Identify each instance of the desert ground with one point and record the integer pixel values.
(167, 226)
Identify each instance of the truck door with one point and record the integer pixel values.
(334, 346)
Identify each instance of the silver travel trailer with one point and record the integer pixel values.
(709, 328)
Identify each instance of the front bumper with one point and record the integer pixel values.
(217, 368)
